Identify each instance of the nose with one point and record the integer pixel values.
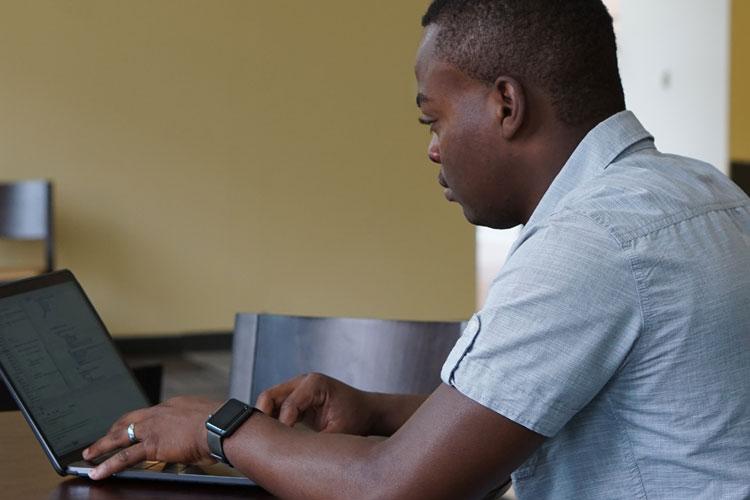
(433, 150)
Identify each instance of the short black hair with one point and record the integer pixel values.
(565, 47)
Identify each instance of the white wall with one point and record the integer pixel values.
(492, 249)
(674, 63)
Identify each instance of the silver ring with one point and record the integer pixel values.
(131, 434)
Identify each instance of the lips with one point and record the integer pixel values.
(447, 191)
(441, 180)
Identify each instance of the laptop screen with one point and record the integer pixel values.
(63, 365)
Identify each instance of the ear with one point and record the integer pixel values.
(510, 105)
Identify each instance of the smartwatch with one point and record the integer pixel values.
(223, 423)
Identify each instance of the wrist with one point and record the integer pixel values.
(223, 423)
(235, 446)
(202, 444)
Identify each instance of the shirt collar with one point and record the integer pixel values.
(598, 149)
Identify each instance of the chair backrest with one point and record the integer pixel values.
(26, 214)
(370, 354)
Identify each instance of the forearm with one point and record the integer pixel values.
(294, 463)
(391, 411)
(452, 447)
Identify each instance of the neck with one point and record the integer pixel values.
(551, 150)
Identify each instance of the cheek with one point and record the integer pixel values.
(472, 168)
(459, 152)
(468, 147)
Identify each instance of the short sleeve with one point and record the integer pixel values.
(559, 321)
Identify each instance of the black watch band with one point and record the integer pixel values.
(223, 423)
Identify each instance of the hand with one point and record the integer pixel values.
(173, 431)
(323, 403)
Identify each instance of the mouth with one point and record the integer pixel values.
(447, 190)
(441, 180)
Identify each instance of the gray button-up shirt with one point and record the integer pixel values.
(619, 328)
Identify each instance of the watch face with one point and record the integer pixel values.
(228, 414)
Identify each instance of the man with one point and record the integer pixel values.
(612, 358)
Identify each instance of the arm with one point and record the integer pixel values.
(452, 447)
(391, 411)
(328, 405)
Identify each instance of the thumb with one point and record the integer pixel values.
(294, 406)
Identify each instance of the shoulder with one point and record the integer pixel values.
(569, 252)
(647, 190)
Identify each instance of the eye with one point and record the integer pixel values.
(430, 122)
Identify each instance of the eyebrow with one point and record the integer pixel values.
(421, 99)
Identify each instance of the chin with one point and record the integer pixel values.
(473, 218)
(499, 221)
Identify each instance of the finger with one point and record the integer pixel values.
(271, 399)
(114, 439)
(121, 460)
(134, 416)
(265, 403)
(297, 403)
(289, 413)
(117, 435)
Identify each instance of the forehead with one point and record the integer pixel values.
(437, 79)
(426, 50)
(426, 62)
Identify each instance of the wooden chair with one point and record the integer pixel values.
(26, 214)
(370, 354)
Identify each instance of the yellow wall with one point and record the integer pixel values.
(211, 157)
(739, 137)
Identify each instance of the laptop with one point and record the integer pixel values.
(62, 369)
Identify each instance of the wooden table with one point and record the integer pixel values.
(25, 473)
